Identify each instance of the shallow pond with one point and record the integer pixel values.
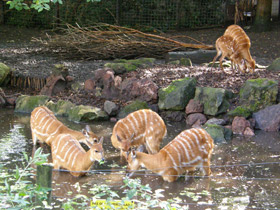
(246, 172)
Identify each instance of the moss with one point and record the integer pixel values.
(134, 106)
(240, 111)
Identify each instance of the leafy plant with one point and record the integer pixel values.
(16, 189)
(38, 5)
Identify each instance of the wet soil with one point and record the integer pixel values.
(19, 52)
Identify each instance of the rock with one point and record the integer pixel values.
(239, 124)
(111, 108)
(241, 111)
(185, 62)
(268, 119)
(256, 94)
(61, 108)
(120, 66)
(275, 66)
(86, 114)
(248, 132)
(193, 118)
(197, 56)
(194, 107)
(134, 106)
(214, 100)
(177, 95)
(216, 121)
(2, 101)
(219, 133)
(54, 85)
(89, 85)
(77, 86)
(174, 116)
(60, 70)
(26, 104)
(142, 89)
(105, 79)
(4, 72)
(11, 101)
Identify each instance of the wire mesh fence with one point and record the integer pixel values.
(159, 14)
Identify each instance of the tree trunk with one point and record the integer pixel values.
(263, 15)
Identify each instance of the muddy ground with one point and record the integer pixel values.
(18, 52)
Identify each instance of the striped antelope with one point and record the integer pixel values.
(45, 127)
(226, 46)
(68, 153)
(190, 149)
(243, 45)
(142, 127)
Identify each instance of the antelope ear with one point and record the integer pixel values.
(101, 140)
(88, 129)
(119, 138)
(133, 154)
(140, 148)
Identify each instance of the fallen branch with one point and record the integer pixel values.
(104, 41)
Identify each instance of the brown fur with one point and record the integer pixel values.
(191, 148)
(67, 153)
(46, 127)
(142, 127)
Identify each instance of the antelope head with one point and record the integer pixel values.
(96, 151)
(90, 137)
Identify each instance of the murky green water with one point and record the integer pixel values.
(246, 171)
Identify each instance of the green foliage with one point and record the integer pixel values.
(38, 5)
(16, 189)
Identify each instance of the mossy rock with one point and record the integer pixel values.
(219, 133)
(216, 64)
(214, 100)
(240, 111)
(177, 95)
(26, 104)
(134, 106)
(275, 66)
(258, 93)
(4, 72)
(83, 113)
(185, 62)
(120, 66)
(61, 108)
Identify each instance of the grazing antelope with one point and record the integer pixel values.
(45, 127)
(191, 148)
(226, 46)
(142, 127)
(68, 153)
(243, 45)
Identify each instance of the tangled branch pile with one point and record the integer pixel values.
(104, 41)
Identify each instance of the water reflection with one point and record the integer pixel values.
(246, 172)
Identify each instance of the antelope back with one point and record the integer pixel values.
(138, 128)
(190, 148)
(226, 44)
(66, 151)
(239, 35)
(44, 125)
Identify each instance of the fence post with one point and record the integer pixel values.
(44, 179)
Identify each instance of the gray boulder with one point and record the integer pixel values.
(177, 95)
(86, 114)
(258, 93)
(110, 108)
(134, 106)
(214, 100)
(219, 133)
(4, 72)
(26, 104)
(61, 108)
(268, 119)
